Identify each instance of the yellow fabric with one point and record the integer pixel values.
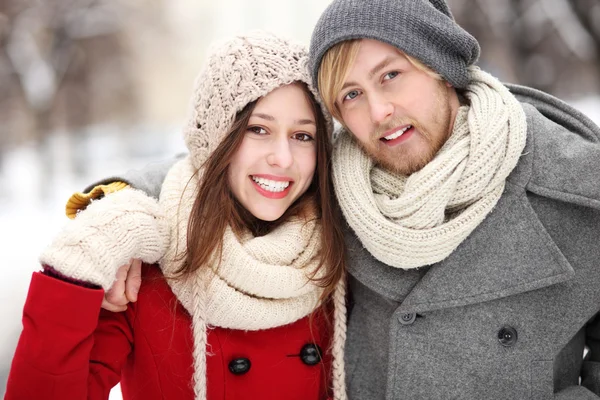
(79, 201)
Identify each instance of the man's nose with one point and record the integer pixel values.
(380, 108)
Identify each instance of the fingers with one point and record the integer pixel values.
(112, 307)
(133, 280)
(125, 287)
(114, 298)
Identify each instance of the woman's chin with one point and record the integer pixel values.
(267, 215)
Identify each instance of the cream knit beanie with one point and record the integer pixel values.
(237, 72)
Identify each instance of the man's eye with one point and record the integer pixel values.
(257, 129)
(390, 75)
(351, 95)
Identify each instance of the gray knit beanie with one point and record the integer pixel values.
(239, 71)
(423, 29)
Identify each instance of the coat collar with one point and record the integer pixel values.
(509, 253)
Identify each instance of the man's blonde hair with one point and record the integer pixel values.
(335, 66)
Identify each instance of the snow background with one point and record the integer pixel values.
(29, 219)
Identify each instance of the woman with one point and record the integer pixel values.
(248, 301)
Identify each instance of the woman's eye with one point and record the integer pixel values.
(258, 130)
(303, 137)
(390, 75)
(351, 95)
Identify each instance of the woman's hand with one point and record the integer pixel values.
(104, 238)
(125, 289)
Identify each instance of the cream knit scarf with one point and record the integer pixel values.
(261, 282)
(412, 221)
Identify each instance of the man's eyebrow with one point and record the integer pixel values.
(384, 63)
(347, 85)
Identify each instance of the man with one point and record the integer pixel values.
(473, 214)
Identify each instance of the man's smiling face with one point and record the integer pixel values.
(400, 114)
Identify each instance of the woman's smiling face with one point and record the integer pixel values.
(276, 161)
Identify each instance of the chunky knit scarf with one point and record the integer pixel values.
(260, 283)
(412, 221)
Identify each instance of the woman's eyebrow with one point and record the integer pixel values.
(268, 117)
(305, 122)
(264, 116)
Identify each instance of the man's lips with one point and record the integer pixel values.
(397, 135)
(395, 132)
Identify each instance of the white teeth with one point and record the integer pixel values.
(397, 134)
(271, 186)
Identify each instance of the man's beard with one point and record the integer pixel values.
(400, 159)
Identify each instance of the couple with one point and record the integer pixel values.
(470, 233)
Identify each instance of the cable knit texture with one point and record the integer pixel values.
(107, 234)
(412, 221)
(238, 72)
(260, 283)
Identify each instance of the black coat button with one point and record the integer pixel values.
(310, 354)
(407, 319)
(239, 366)
(507, 336)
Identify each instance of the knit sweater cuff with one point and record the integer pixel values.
(49, 271)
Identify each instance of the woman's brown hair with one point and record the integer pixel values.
(215, 207)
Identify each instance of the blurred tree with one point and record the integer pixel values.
(588, 13)
(62, 66)
(553, 45)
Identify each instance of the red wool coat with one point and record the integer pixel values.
(71, 349)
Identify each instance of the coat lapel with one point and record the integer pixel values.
(509, 253)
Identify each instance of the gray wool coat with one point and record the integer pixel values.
(509, 313)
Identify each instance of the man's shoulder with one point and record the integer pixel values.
(549, 108)
(148, 179)
(562, 156)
